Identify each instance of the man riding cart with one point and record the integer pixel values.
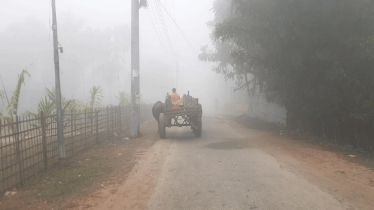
(178, 112)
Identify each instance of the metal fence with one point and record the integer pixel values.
(28, 145)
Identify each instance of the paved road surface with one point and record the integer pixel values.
(222, 170)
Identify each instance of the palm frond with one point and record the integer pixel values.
(67, 104)
(76, 106)
(2, 96)
(123, 98)
(95, 97)
(13, 106)
(51, 93)
(46, 106)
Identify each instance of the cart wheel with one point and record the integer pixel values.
(199, 124)
(161, 126)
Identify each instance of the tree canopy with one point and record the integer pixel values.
(314, 57)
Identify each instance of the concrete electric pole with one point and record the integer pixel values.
(60, 132)
(135, 68)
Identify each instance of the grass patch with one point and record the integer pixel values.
(53, 188)
(64, 183)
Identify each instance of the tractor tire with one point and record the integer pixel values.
(199, 124)
(161, 126)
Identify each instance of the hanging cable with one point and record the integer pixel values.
(180, 30)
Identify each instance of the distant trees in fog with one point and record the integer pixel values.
(314, 57)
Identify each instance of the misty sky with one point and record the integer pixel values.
(161, 44)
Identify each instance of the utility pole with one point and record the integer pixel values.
(60, 134)
(135, 70)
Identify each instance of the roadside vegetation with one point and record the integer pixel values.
(102, 167)
(47, 105)
(313, 57)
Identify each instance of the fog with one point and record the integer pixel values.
(95, 35)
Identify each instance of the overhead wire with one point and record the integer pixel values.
(158, 21)
(154, 17)
(170, 24)
(168, 30)
(164, 28)
(174, 20)
(162, 19)
(173, 29)
(180, 30)
(177, 45)
(157, 30)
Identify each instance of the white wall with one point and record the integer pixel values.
(260, 109)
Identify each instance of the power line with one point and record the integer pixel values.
(175, 22)
(154, 19)
(181, 31)
(172, 42)
(173, 29)
(157, 31)
(175, 15)
(158, 3)
(177, 46)
(162, 19)
(157, 20)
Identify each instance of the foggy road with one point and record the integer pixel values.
(80, 78)
(222, 170)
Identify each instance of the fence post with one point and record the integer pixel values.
(107, 121)
(114, 117)
(120, 119)
(72, 132)
(113, 112)
(141, 114)
(18, 152)
(92, 118)
(85, 128)
(97, 127)
(44, 140)
(128, 118)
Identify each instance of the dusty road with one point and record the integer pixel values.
(224, 169)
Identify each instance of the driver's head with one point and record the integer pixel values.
(174, 90)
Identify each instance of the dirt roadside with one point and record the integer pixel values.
(135, 192)
(125, 174)
(348, 181)
(87, 178)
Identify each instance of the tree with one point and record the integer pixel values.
(66, 103)
(13, 106)
(313, 57)
(226, 54)
(123, 99)
(47, 106)
(95, 97)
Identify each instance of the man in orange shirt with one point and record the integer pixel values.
(175, 98)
